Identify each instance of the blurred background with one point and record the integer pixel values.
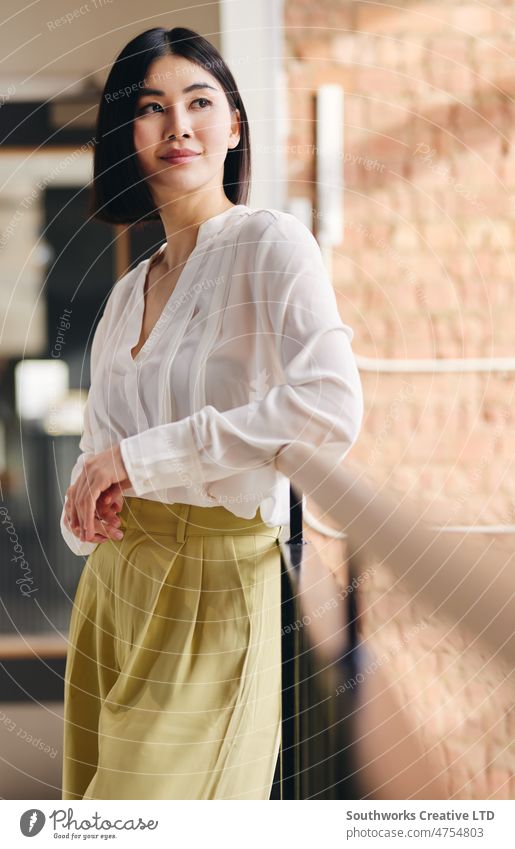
(388, 129)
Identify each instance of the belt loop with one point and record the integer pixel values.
(184, 510)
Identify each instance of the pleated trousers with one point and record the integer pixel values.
(173, 674)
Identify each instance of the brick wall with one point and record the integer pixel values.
(425, 269)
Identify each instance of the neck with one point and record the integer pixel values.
(181, 221)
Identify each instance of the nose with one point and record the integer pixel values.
(176, 121)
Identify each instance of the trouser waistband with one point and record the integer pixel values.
(186, 520)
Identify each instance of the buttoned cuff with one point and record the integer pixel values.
(161, 457)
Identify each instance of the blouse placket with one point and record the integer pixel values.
(180, 307)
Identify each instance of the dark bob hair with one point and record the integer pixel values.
(120, 192)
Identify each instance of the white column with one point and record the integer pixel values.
(251, 42)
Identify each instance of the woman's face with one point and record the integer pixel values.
(168, 117)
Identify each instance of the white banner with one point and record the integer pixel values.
(167, 823)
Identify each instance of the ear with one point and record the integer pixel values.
(235, 135)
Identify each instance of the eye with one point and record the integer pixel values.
(204, 99)
(141, 110)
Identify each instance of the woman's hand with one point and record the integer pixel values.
(105, 527)
(103, 474)
(107, 522)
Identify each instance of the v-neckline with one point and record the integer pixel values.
(141, 297)
(210, 224)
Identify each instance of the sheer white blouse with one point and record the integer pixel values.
(248, 355)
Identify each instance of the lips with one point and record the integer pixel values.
(180, 156)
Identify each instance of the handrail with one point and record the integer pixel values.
(465, 364)
(327, 531)
(475, 589)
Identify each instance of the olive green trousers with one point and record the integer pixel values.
(173, 673)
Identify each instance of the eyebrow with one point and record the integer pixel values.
(192, 87)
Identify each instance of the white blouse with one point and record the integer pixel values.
(248, 355)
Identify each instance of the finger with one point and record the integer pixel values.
(87, 496)
(101, 533)
(81, 490)
(112, 520)
(72, 500)
(73, 528)
(115, 493)
(110, 492)
(104, 509)
(69, 515)
(67, 505)
(107, 531)
(108, 513)
(75, 495)
(96, 537)
(75, 521)
(89, 514)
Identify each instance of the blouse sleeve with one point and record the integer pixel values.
(86, 446)
(320, 402)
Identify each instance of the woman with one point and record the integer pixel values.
(209, 359)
